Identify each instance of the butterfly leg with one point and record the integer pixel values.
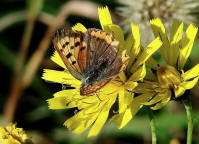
(98, 96)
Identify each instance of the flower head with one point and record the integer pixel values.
(170, 81)
(135, 72)
(12, 135)
(94, 109)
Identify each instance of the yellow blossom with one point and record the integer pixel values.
(135, 71)
(94, 109)
(169, 80)
(12, 135)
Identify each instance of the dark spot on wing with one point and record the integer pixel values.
(82, 48)
(67, 43)
(74, 62)
(77, 44)
(68, 55)
(72, 47)
(61, 50)
(64, 45)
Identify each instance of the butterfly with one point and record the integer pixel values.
(90, 56)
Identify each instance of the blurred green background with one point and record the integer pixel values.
(26, 27)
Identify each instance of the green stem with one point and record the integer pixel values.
(188, 108)
(16, 86)
(153, 128)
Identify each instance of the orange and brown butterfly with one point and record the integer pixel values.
(90, 56)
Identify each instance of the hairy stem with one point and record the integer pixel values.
(188, 109)
(153, 127)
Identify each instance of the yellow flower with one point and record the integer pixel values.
(169, 80)
(135, 71)
(94, 110)
(12, 135)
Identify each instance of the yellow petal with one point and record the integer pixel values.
(65, 98)
(150, 76)
(192, 73)
(161, 104)
(151, 62)
(98, 123)
(158, 97)
(129, 45)
(125, 99)
(147, 52)
(130, 85)
(154, 100)
(116, 31)
(115, 86)
(56, 58)
(118, 35)
(122, 119)
(60, 77)
(104, 17)
(93, 108)
(60, 103)
(146, 87)
(175, 42)
(136, 36)
(102, 117)
(159, 31)
(79, 123)
(138, 74)
(122, 102)
(79, 27)
(69, 93)
(185, 85)
(133, 44)
(122, 76)
(143, 98)
(189, 84)
(187, 45)
(88, 101)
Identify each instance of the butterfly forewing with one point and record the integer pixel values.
(84, 54)
(65, 43)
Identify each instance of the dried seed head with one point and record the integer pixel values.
(141, 11)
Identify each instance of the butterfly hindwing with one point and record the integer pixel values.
(118, 65)
(104, 64)
(93, 88)
(100, 43)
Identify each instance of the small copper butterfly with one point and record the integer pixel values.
(90, 56)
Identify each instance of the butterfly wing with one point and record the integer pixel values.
(93, 88)
(103, 55)
(118, 65)
(102, 46)
(68, 43)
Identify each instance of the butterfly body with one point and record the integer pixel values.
(89, 56)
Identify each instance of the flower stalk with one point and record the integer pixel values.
(188, 108)
(153, 127)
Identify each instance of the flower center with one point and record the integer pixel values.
(168, 76)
